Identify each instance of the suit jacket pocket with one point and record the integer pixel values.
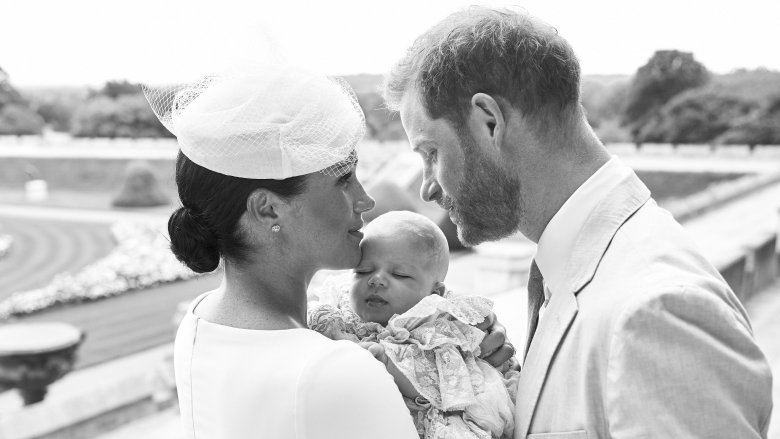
(579, 434)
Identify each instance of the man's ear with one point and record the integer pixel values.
(486, 120)
(263, 206)
(439, 289)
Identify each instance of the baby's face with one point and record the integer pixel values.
(393, 275)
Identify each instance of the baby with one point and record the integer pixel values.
(405, 259)
(429, 342)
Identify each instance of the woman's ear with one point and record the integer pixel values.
(263, 206)
(439, 289)
(486, 120)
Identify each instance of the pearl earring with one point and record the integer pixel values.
(275, 228)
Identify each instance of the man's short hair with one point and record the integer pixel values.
(503, 53)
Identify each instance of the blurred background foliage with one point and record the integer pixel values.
(16, 116)
(673, 98)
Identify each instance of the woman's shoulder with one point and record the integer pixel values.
(341, 356)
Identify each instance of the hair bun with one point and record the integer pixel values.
(192, 241)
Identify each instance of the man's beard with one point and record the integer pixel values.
(487, 205)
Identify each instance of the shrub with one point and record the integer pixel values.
(140, 188)
(761, 127)
(18, 120)
(126, 116)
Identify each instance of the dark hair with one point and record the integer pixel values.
(498, 52)
(205, 228)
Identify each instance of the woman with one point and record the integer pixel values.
(266, 177)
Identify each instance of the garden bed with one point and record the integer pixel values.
(140, 260)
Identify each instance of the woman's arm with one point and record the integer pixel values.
(401, 381)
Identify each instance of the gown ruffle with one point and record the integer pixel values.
(435, 345)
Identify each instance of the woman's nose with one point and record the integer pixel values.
(363, 201)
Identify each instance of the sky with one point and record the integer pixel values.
(87, 42)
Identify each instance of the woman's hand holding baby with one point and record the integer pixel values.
(403, 383)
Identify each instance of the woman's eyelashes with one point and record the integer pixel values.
(346, 178)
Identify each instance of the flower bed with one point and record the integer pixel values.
(6, 241)
(141, 259)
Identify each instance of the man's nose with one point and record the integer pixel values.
(430, 189)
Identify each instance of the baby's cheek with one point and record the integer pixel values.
(356, 289)
(356, 292)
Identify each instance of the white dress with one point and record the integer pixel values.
(237, 383)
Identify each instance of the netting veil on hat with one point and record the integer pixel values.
(271, 124)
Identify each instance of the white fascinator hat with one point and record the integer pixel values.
(271, 123)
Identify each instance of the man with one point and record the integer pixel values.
(637, 335)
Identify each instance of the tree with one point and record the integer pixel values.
(761, 127)
(738, 108)
(129, 115)
(666, 74)
(16, 117)
(115, 89)
(603, 98)
(56, 111)
(8, 94)
(695, 116)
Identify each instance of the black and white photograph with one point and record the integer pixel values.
(437, 219)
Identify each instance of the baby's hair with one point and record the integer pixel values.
(426, 233)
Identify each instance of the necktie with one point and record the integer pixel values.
(535, 300)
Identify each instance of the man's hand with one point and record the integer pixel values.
(495, 348)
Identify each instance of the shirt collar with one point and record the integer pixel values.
(559, 236)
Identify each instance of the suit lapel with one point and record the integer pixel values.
(593, 240)
(600, 227)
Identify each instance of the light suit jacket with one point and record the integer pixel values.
(647, 341)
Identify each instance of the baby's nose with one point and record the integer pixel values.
(376, 281)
